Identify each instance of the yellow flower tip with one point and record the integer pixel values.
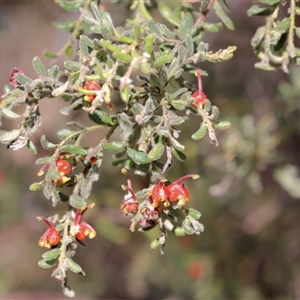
(124, 187)
(39, 218)
(91, 234)
(110, 106)
(44, 244)
(124, 171)
(195, 176)
(91, 205)
(182, 201)
(40, 173)
(64, 179)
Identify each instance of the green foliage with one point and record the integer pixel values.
(132, 83)
(274, 43)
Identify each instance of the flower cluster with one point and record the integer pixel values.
(174, 192)
(162, 195)
(78, 229)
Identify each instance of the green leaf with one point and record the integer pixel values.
(77, 201)
(54, 72)
(70, 5)
(156, 152)
(84, 44)
(176, 144)
(22, 79)
(46, 144)
(187, 23)
(31, 147)
(149, 43)
(154, 28)
(9, 136)
(68, 26)
(69, 51)
(114, 146)
(257, 10)
(36, 186)
(122, 57)
(105, 118)
(43, 160)
(168, 13)
(212, 27)
(95, 9)
(52, 254)
(222, 15)
(73, 266)
(73, 66)
(195, 214)
(74, 149)
(138, 157)
(166, 32)
(65, 133)
(222, 124)
(179, 231)
(46, 264)
(38, 66)
(264, 66)
(178, 154)
(9, 114)
(214, 113)
(50, 54)
(125, 125)
(189, 44)
(200, 133)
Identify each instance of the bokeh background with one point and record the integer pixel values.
(248, 192)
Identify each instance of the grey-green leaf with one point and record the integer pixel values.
(222, 124)
(138, 157)
(156, 152)
(200, 133)
(222, 15)
(38, 66)
(52, 254)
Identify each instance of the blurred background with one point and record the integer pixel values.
(248, 191)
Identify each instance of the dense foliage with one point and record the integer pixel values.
(134, 83)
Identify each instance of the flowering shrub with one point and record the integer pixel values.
(133, 80)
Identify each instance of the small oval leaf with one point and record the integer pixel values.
(200, 133)
(114, 146)
(138, 157)
(52, 254)
(156, 152)
(222, 124)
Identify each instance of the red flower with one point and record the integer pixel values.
(51, 237)
(159, 195)
(83, 229)
(63, 166)
(176, 191)
(199, 96)
(91, 85)
(129, 205)
(12, 76)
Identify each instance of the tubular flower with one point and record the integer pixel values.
(176, 191)
(51, 237)
(159, 195)
(81, 229)
(129, 205)
(91, 86)
(199, 96)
